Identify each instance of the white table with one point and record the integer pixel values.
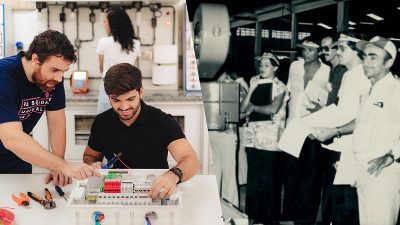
(200, 200)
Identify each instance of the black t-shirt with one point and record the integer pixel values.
(143, 144)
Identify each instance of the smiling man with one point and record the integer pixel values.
(31, 83)
(144, 134)
(376, 139)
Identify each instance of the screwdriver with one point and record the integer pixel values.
(112, 161)
(60, 192)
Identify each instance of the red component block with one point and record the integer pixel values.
(112, 186)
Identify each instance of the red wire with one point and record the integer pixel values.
(7, 217)
(124, 163)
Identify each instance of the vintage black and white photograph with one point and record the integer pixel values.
(301, 101)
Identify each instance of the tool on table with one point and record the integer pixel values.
(21, 201)
(60, 192)
(112, 161)
(48, 203)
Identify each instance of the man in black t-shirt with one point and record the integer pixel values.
(144, 134)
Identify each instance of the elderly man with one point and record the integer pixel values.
(376, 138)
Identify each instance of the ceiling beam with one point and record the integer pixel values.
(280, 10)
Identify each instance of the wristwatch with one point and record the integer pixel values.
(178, 172)
(338, 134)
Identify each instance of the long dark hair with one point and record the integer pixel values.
(121, 28)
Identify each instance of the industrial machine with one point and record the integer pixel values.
(211, 33)
(120, 197)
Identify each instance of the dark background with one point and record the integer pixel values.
(241, 55)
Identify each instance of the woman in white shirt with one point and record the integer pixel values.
(121, 46)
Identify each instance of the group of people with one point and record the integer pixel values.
(32, 83)
(356, 75)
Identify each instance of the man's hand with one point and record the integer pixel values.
(99, 165)
(167, 181)
(79, 171)
(379, 163)
(322, 133)
(57, 176)
(317, 106)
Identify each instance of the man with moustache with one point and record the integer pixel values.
(144, 134)
(353, 88)
(332, 198)
(302, 176)
(31, 83)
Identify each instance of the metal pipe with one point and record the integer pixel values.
(63, 22)
(48, 17)
(173, 28)
(154, 38)
(77, 34)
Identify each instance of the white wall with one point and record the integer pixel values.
(26, 26)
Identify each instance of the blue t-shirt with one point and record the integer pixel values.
(22, 100)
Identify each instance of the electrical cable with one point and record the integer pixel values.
(123, 163)
(6, 217)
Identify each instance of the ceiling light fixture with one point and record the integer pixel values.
(351, 28)
(324, 26)
(352, 23)
(366, 23)
(375, 17)
(310, 24)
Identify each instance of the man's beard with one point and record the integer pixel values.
(37, 78)
(134, 111)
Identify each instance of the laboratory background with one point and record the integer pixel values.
(167, 63)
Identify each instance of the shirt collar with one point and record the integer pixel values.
(144, 111)
(386, 81)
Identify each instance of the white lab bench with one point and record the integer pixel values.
(200, 200)
(82, 108)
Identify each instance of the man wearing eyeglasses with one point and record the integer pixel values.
(353, 87)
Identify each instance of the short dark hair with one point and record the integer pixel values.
(122, 78)
(51, 43)
(352, 44)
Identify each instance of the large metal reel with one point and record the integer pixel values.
(211, 33)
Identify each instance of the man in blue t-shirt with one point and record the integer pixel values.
(31, 83)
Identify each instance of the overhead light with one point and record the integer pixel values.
(398, 8)
(40, 6)
(351, 28)
(72, 16)
(352, 23)
(375, 17)
(324, 26)
(366, 23)
(306, 23)
(72, 6)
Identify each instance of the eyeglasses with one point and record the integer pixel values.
(326, 48)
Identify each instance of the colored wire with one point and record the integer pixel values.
(124, 163)
(6, 217)
(88, 99)
(154, 14)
